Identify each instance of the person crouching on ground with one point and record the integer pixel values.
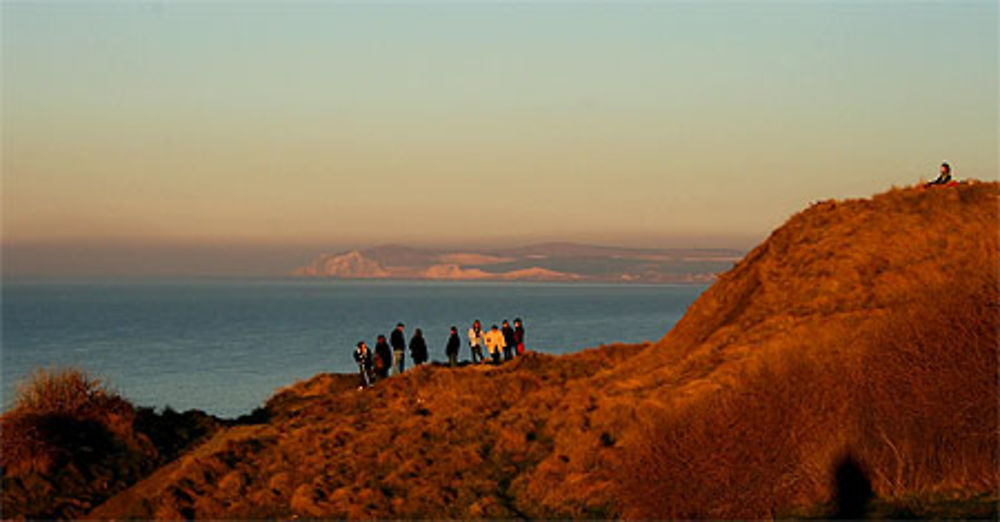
(418, 347)
(383, 357)
(398, 341)
(363, 356)
(508, 341)
(476, 341)
(944, 178)
(495, 343)
(451, 349)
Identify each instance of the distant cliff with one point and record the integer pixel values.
(541, 262)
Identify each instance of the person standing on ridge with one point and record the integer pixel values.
(944, 178)
(519, 335)
(476, 341)
(418, 347)
(451, 349)
(383, 357)
(508, 341)
(495, 343)
(363, 356)
(398, 341)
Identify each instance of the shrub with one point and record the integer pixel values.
(70, 442)
(47, 403)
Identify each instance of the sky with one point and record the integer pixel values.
(219, 137)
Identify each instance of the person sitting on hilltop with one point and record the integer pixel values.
(944, 178)
(363, 356)
(451, 350)
(383, 357)
(495, 343)
(418, 347)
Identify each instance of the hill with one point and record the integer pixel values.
(854, 351)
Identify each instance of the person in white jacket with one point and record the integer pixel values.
(476, 342)
(495, 342)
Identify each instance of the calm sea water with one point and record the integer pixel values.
(224, 346)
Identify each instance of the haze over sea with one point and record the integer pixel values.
(224, 345)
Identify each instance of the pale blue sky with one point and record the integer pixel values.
(326, 124)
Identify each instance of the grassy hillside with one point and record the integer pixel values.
(858, 341)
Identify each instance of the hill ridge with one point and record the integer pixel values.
(549, 436)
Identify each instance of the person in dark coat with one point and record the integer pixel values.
(383, 357)
(451, 349)
(363, 356)
(944, 178)
(418, 347)
(519, 335)
(398, 341)
(508, 338)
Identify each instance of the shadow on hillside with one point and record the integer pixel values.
(852, 489)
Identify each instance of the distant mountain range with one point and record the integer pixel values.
(539, 262)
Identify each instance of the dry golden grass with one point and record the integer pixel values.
(928, 421)
(64, 391)
(859, 329)
(906, 385)
(433, 443)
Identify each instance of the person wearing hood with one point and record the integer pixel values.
(451, 349)
(508, 340)
(383, 357)
(418, 347)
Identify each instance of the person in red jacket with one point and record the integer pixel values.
(519, 336)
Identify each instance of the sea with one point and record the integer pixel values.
(225, 346)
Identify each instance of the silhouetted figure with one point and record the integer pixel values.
(451, 349)
(363, 356)
(852, 489)
(383, 357)
(398, 341)
(519, 336)
(418, 347)
(944, 178)
(508, 340)
(476, 341)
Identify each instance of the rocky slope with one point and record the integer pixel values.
(773, 374)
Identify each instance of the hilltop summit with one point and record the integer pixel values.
(859, 331)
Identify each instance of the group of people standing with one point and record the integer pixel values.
(502, 342)
(506, 340)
